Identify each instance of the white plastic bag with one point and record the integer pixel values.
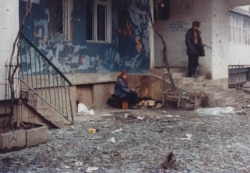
(83, 110)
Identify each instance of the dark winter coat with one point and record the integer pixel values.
(121, 88)
(192, 49)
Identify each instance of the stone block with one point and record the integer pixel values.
(36, 136)
(14, 139)
(19, 139)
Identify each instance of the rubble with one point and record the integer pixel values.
(140, 140)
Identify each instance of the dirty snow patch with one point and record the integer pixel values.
(215, 111)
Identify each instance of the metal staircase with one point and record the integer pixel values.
(43, 86)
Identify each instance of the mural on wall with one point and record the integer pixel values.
(133, 36)
(128, 49)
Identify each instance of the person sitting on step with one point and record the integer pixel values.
(123, 92)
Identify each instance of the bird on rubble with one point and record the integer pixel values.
(170, 161)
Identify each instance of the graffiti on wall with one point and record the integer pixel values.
(178, 26)
(183, 25)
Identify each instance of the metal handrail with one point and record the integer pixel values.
(43, 78)
(238, 75)
(45, 58)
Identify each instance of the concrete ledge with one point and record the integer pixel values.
(91, 78)
(13, 140)
(19, 139)
(36, 136)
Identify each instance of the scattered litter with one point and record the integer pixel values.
(83, 110)
(158, 106)
(95, 137)
(78, 163)
(91, 112)
(188, 137)
(66, 167)
(151, 103)
(171, 116)
(92, 131)
(90, 169)
(107, 115)
(72, 127)
(135, 139)
(126, 115)
(168, 116)
(118, 130)
(112, 139)
(216, 111)
(140, 117)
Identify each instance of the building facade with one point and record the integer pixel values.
(90, 36)
(90, 40)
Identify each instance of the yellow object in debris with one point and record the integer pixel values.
(91, 130)
(151, 103)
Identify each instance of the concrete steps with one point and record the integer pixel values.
(52, 105)
(223, 93)
(216, 94)
(50, 114)
(45, 110)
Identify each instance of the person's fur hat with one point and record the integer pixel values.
(196, 23)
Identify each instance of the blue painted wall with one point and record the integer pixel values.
(129, 49)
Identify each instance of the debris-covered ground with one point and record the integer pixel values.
(135, 141)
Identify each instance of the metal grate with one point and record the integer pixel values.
(238, 75)
(56, 17)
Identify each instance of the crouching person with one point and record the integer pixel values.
(123, 92)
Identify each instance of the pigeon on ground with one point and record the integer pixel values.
(170, 162)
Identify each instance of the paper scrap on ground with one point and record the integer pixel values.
(112, 139)
(188, 137)
(90, 169)
(140, 117)
(118, 130)
(78, 163)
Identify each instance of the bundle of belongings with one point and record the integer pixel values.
(114, 102)
(142, 102)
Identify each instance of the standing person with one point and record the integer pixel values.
(123, 92)
(194, 47)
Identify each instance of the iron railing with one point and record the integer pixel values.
(44, 79)
(238, 75)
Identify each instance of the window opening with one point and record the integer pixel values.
(60, 24)
(98, 20)
(90, 20)
(161, 9)
(101, 24)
